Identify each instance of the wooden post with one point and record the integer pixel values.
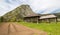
(37, 20)
(49, 20)
(56, 20)
(31, 20)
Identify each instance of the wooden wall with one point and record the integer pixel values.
(31, 19)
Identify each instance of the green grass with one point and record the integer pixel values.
(50, 28)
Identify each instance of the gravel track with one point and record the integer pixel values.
(13, 28)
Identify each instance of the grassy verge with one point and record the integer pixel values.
(52, 28)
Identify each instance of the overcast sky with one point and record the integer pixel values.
(38, 6)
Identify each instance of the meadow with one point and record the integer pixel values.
(50, 28)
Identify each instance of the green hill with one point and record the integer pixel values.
(18, 14)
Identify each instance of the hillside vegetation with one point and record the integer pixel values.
(14, 15)
(18, 14)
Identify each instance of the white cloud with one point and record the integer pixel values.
(37, 5)
(44, 4)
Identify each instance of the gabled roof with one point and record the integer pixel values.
(47, 16)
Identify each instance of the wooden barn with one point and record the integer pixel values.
(29, 15)
(31, 18)
(48, 18)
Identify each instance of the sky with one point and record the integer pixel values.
(38, 6)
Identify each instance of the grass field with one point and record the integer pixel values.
(50, 28)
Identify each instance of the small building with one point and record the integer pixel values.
(31, 18)
(48, 18)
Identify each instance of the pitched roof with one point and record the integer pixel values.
(48, 16)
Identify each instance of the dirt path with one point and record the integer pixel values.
(11, 28)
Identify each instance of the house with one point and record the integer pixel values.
(31, 19)
(48, 18)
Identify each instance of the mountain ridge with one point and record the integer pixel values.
(19, 13)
